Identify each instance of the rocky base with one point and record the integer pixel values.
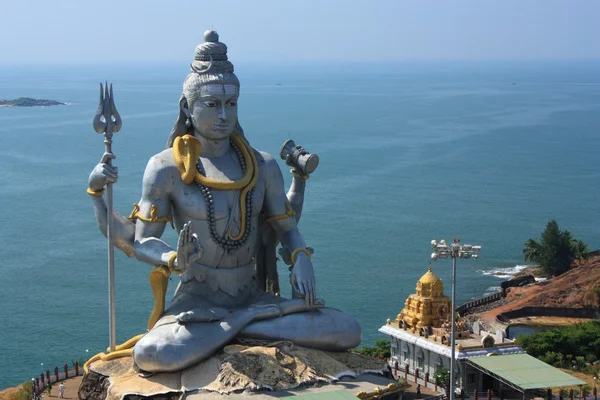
(238, 369)
(93, 387)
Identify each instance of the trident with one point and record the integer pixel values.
(108, 121)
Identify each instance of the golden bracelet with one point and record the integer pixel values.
(95, 194)
(297, 174)
(301, 249)
(171, 262)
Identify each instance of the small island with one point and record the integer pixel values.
(29, 102)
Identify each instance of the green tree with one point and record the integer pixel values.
(531, 250)
(581, 250)
(380, 350)
(442, 376)
(556, 250)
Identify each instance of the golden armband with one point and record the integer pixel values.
(289, 212)
(135, 215)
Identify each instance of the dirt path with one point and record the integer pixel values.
(71, 389)
(548, 321)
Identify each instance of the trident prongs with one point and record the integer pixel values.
(107, 119)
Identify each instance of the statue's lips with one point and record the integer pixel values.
(221, 127)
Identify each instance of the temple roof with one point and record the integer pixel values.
(428, 307)
(430, 279)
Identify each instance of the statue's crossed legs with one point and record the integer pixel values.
(180, 340)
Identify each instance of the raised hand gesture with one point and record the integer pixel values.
(189, 250)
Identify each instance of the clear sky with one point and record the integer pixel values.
(57, 31)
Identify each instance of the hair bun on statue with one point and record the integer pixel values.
(211, 55)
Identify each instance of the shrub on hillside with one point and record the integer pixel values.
(24, 393)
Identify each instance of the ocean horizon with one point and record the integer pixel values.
(409, 152)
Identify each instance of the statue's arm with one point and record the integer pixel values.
(278, 214)
(275, 209)
(123, 228)
(154, 212)
(295, 195)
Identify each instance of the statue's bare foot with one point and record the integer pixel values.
(268, 311)
(141, 372)
(202, 315)
(299, 305)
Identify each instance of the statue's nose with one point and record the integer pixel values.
(222, 112)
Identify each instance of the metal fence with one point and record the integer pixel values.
(41, 382)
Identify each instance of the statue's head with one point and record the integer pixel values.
(208, 104)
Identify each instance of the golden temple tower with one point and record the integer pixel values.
(428, 308)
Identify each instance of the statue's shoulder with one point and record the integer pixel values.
(264, 158)
(161, 164)
(266, 162)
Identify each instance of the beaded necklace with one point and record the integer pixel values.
(224, 241)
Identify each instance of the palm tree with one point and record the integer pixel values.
(532, 250)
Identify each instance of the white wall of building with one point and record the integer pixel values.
(429, 361)
(416, 357)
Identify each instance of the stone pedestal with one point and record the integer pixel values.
(238, 372)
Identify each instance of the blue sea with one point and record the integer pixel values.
(410, 152)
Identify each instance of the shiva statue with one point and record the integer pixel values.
(228, 203)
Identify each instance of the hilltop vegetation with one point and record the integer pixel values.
(556, 251)
(380, 350)
(28, 102)
(575, 347)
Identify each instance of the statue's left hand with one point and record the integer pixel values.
(103, 173)
(303, 278)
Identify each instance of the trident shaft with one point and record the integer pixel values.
(108, 121)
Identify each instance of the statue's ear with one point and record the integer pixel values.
(183, 105)
(180, 127)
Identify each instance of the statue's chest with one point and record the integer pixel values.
(192, 202)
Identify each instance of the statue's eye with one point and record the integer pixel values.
(232, 103)
(210, 103)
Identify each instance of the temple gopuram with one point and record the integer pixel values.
(485, 360)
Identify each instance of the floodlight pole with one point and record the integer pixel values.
(453, 336)
(454, 251)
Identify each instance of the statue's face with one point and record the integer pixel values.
(214, 113)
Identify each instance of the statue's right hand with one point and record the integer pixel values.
(103, 173)
(189, 250)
